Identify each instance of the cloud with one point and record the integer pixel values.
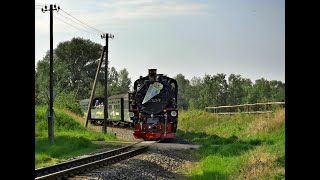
(117, 13)
(124, 10)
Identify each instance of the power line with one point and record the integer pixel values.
(82, 22)
(74, 26)
(72, 20)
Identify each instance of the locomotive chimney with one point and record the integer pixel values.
(152, 72)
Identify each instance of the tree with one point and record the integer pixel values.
(124, 80)
(193, 93)
(183, 85)
(118, 83)
(260, 92)
(277, 90)
(214, 90)
(78, 59)
(220, 88)
(113, 82)
(75, 63)
(238, 89)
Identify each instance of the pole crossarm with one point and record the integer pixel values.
(57, 8)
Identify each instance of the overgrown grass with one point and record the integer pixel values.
(70, 138)
(242, 146)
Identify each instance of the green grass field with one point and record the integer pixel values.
(70, 138)
(242, 146)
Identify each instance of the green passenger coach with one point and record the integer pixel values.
(118, 110)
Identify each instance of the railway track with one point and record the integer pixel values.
(77, 166)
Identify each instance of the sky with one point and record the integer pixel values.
(191, 37)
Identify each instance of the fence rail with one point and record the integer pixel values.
(246, 108)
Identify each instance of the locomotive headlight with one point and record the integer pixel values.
(131, 114)
(173, 113)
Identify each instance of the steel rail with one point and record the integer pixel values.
(90, 166)
(81, 161)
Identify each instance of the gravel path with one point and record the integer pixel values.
(165, 160)
(123, 133)
(154, 164)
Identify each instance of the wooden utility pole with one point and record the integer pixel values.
(51, 113)
(94, 86)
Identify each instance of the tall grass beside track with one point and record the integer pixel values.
(70, 138)
(242, 146)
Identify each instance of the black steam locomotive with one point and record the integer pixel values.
(153, 106)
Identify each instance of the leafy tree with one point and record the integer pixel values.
(248, 85)
(124, 80)
(113, 77)
(221, 88)
(238, 89)
(277, 90)
(214, 90)
(112, 84)
(42, 75)
(206, 95)
(183, 85)
(193, 93)
(260, 92)
(76, 60)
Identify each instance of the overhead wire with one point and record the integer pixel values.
(67, 15)
(74, 26)
(73, 20)
(81, 21)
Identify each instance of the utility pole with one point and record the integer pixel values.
(107, 36)
(94, 86)
(51, 113)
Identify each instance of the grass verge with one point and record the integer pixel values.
(70, 138)
(242, 146)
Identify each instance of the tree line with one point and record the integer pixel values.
(75, 65)
(218, 90)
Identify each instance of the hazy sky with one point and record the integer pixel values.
(195, 38)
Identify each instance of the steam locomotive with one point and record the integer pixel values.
(153, 106)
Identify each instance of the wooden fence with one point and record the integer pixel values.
(247, 108)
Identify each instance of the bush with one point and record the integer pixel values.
(67, 100)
